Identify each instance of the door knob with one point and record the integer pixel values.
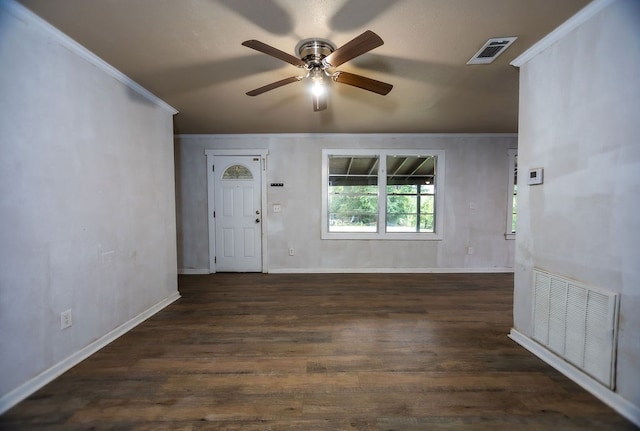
(257, 220)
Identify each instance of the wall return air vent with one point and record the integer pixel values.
(491, 50)
(577, 322)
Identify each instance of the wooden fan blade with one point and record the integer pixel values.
(363, 82)
(355, 47)
(274, 52)
(273, 85)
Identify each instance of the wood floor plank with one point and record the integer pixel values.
(367, 352)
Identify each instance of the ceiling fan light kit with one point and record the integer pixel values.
(318, 57)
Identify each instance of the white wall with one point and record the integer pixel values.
(579, 120)
(87, 209)
(476, 172)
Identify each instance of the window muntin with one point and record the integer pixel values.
(382, 194)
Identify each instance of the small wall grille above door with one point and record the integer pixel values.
(491, 50)
(578, 323)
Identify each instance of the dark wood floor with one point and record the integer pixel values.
(263, 352)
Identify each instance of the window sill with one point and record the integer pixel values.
(509, 236)
(384, 237)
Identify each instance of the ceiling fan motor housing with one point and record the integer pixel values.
(312, 51)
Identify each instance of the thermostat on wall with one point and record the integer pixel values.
(535, 176)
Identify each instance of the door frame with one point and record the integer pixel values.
(211, 221)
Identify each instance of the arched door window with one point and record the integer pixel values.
(237, 172)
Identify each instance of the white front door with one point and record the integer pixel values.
(237, 212)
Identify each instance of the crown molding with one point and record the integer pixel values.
(22, 13)
(563, 30)
(341, 135)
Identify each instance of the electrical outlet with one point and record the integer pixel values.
(66, 319)
(292, 251)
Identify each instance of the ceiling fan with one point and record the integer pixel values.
(318, 58)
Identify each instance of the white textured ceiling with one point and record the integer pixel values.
(189, 53)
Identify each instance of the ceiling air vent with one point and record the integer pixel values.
(491, 50)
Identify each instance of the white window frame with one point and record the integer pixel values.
(381, 233)
(513, 154)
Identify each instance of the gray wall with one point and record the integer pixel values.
(476, 172)
(579, 120)
(87, 200)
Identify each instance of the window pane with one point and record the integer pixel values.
(427, 218)
(514, 209)
(353, 194)
(514, 206)
(237, 172)
(410, 193)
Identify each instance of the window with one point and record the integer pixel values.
(410, 193)
(353, 193)
(512, 195)
(382, 194)
(237, 172)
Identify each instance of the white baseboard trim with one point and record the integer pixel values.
(387, 270)
(20, 393)
(610, 398)
(193, 271)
